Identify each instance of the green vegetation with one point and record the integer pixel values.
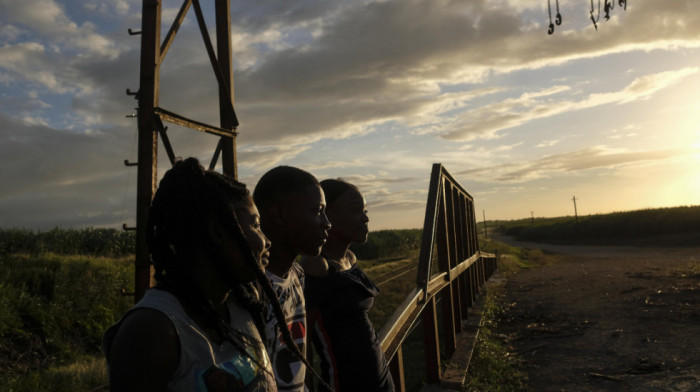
(53, 312)
(494, 368)
(388, 243)
(87, 241)
(61, 289)
(676, 226)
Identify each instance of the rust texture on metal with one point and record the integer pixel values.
(174, 118)
(147, 139)
(462, 270)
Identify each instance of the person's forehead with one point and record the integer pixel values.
(309, 195)
(351, 197)
(248, 212)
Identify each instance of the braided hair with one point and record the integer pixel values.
(187, 200)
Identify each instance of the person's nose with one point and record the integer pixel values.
(326, 223)
(267, 242)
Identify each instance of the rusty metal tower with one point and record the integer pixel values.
(151, 116)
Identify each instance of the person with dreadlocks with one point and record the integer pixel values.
(339, 295)
(200, 328)
(292, 212)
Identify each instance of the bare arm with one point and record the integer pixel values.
(145, 352)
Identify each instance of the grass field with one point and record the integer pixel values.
(677, 226)
(53, 312)
(59, 291)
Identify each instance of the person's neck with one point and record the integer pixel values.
(335, 248)
(209, 282)
(280, 261)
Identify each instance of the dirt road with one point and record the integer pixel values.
(607, 319)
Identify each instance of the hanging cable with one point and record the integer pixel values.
(593, 19)
(557, 20)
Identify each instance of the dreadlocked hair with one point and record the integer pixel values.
(187, 199)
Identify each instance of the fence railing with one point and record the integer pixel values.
(451, 279)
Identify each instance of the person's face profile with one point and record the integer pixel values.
(306, 220)
(249, 220)
(348, 216)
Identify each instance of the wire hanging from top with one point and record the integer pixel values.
(557, 20)
(609, 6)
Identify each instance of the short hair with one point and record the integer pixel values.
(281, 181)
(333, 188)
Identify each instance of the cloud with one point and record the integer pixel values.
(50, 21)
(486, 121)
(570, 162)
(54, 176)
(306, 72)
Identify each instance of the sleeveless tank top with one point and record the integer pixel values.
(204, 365)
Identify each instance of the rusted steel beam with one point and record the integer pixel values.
(220, 78)
(442, 239)
(396, 328)
(464, 297)
(462, 232)
(432, 343)
(174, 28)
(147, 140)
(449, 332)
(397, 373)
(162, 131)
(215, 157)
(428, 239)
(227, 115)
(174, 118)
(456, 305)
(450, 220)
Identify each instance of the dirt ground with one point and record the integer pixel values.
(607, 319)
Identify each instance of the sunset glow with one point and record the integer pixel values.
(371, 91)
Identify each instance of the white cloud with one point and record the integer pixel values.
(573, 162)
(49, 19)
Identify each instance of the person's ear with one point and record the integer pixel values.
(278, 214)
(217, 232)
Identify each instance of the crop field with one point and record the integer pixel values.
(60, 289)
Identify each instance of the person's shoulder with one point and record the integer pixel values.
(314, 265)
(145, 345)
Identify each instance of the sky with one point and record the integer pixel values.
(371, 91)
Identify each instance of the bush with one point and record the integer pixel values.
(86, 241)
(384, 243)
(54, 310)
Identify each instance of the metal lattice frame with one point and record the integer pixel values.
(151, 116)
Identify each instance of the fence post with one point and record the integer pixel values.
(432, 343)
(396, 368)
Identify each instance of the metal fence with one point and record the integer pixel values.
(447, 282)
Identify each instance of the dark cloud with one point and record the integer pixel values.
(50, 174)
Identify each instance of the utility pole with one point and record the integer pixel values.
(486, 234)
(575, 210)
(151, 116)
(532, 217)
